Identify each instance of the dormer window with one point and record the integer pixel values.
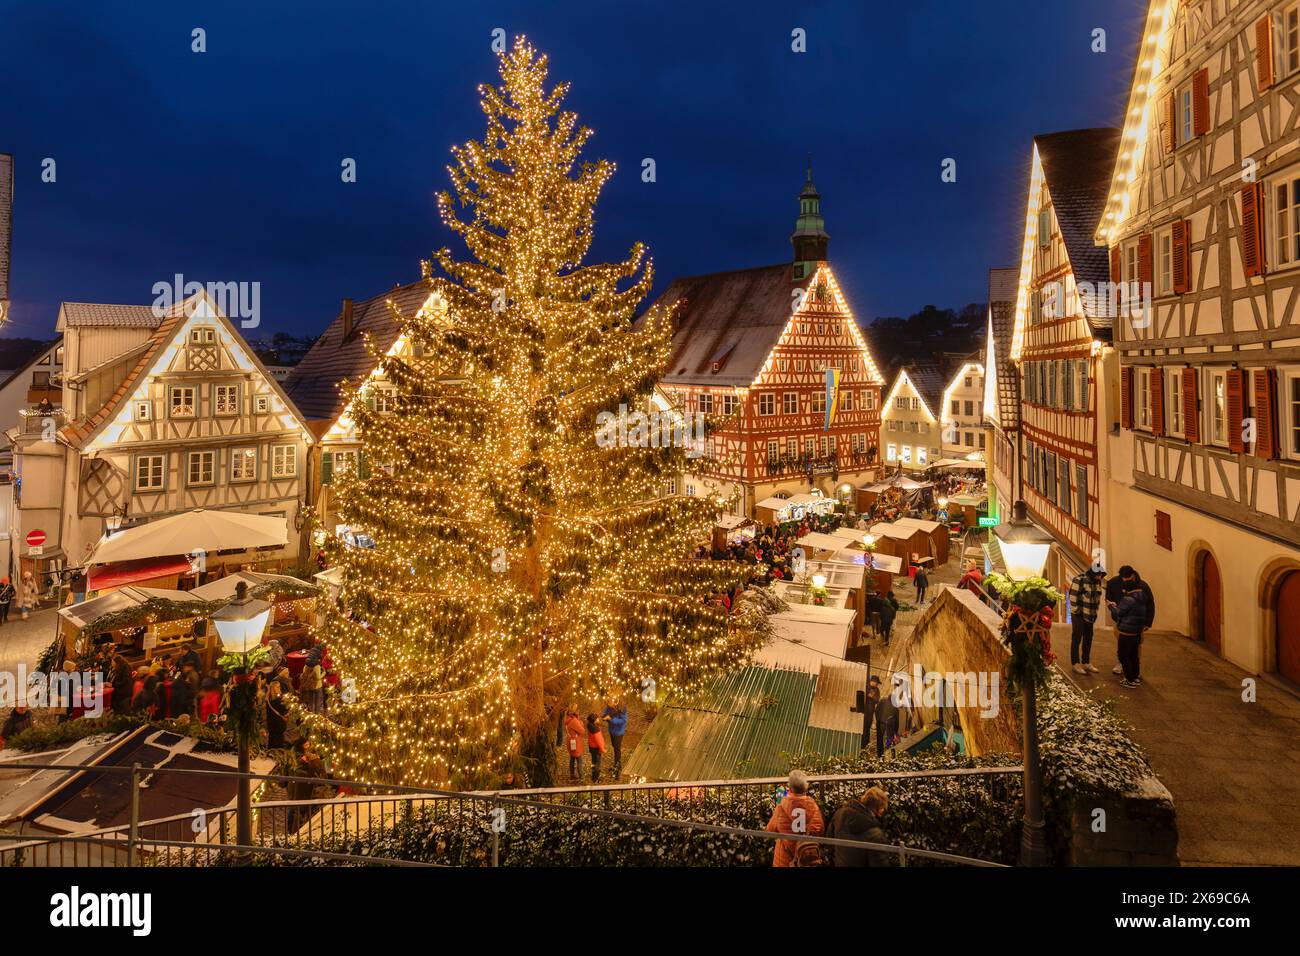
(143, 410)
(204, 335)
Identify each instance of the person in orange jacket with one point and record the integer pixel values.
(574, 731)
(596, 745)
(796, 814)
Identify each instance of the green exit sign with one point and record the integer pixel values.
(986, 522)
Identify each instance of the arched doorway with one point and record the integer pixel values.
(1286, 627)
(1209, 585)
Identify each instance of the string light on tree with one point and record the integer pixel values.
(487, 450)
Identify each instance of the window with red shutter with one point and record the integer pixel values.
(1264, 52)
(1164, 531)
(1126, 397)
(1158, 400)
(1201, 103)
(1266, 430)
(1115, 274)
(1191, 405)
(1182, 251)
(1146, 270)
(1236, 401)
(1252, 230)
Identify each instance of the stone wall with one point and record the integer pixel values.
(1141, 829)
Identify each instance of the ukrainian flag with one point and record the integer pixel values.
(832, 394)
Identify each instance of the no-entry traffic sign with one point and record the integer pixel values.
(36, 538)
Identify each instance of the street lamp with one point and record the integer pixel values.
(1024, 545)
(240, 625)
(1024, 550)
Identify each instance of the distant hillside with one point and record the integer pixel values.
(15, 353)
(926, 334)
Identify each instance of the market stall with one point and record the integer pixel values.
(972, 506)
(938, 534)
(775, 510)
(733, 529)
(141, 623)
(293, 603)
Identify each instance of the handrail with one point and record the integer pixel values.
(520, 798)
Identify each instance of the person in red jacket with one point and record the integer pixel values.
(796, 814)
(209, 700)
(972, 580)
(574, 729)
(595, 745)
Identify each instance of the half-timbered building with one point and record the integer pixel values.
(962, 411)
(777, 350)
(1203, 217)
(1061, 345)
(162, 412)
(1002, 393)
(911, 429)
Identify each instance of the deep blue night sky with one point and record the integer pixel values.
(225, 165)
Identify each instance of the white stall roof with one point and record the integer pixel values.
(803, 644)
(775, 504)
(899, 532)
(822, 542)
(927, 526)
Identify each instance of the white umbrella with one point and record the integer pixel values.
(200, 530)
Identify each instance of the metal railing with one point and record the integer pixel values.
(303, 829)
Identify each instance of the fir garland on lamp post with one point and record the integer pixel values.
(1026, 630)
(240, 625)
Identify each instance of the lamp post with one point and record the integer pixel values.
(240, 625)
(1024, 550)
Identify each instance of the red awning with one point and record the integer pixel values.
(108, 576)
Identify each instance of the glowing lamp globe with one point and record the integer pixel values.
(1024, 545)
(943, 502)
(241, 623)
(819, 581)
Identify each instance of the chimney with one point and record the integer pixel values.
(347, 320)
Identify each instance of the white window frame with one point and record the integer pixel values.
(1142, 398)
(1212, 409)
(348, 455)
(240, 456)
(819, 402)
(1163, 247)
(207, 461)
(173, 405)
(1286, 33)
(705, 403)
(891, 452)
(789, 403)
(142, 410)
(150, 485)
(262, 404)
(905, 454)
(217, 400)
(278, 455)
(1284, 213)
(1290, 413)
(846, 400)
(920, 455)
(1185, 114)
(1174, 403)
(385, 399)
(767, 404)
(203, 335)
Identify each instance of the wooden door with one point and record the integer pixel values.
(1211, 603)
(1288, 627)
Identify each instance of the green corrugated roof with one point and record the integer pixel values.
(743, 720)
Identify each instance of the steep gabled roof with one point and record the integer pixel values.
(928, 381)
(81, 432)
(1077, 167)
(1002, 319)
(733, 319)
(314, 382)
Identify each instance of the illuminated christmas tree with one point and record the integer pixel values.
(519, 560)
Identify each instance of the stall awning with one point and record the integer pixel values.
(107, 576)
(199, 530)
